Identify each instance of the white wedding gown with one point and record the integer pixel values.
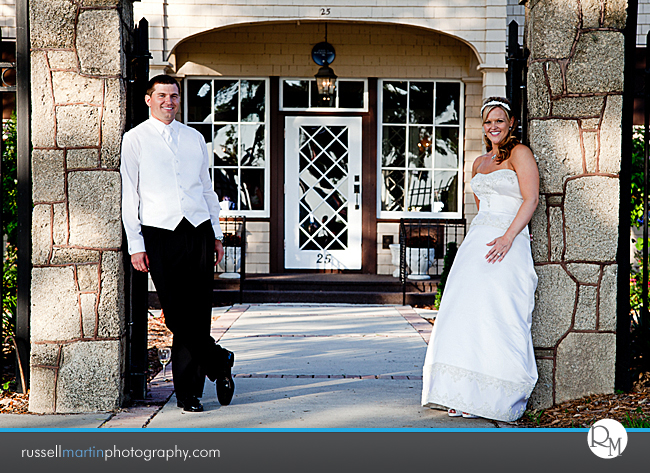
(480, 356)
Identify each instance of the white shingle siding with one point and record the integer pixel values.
(8, 18)
(643, 22)
(465, 19)
(518, 13)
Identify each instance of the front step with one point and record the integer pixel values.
(320, 288)
(221, 296)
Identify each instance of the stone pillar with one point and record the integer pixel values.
(575, 87)
(78, 116)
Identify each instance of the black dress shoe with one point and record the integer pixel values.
(225, 383)
(190, 404)
(225, 389)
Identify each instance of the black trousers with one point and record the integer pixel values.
(181, 263)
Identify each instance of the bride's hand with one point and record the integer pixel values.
(500, 246)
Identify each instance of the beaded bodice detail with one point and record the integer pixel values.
(499, 196)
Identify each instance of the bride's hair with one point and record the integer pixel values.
(510, 141)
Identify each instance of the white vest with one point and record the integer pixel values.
(171, 185)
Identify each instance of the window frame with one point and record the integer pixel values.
(325, 109)
(391, 214)
(266, 213)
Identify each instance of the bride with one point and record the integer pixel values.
(480, 360)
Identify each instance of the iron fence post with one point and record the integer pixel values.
(136, 283)
(644, 290)
(622, 379)
(242, 269)
(2, 153)
(516, 78)
(24, 198)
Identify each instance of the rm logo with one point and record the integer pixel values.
(607, 438)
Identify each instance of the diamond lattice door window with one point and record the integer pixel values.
(322, 193)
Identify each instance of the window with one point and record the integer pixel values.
(302, 94)
(232, 116)
(420, 149)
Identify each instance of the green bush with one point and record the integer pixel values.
(636, 280)
(9, 182)
(9, 225)
(9, 298)
(639, 329)
(636, 196)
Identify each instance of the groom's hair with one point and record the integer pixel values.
(161, 79)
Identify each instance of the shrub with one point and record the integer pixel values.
(9, 225)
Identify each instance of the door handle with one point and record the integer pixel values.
(357, 192)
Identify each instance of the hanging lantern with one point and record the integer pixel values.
(326, 83)
(323, 54)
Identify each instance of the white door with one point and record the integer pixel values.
(322, 193)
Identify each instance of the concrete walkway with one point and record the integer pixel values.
(300, 366)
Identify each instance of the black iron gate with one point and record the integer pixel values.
(20, 322)
(136, 281)
(7, 86)
(516, 80)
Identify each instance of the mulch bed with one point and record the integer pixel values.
(630, 409)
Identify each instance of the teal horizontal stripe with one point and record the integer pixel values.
(261, 430)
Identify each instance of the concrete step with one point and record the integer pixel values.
(323, 297)
(228, 296)
(326, 283)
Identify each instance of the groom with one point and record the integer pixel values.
(171, 217)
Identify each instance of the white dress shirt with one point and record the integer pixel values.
(162, 184)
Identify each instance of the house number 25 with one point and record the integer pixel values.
(320, 258)
(324, 11)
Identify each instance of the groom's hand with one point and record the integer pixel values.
(140, 261)
(218, 247)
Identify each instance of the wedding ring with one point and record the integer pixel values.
(498, 254)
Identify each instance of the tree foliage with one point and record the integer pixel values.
(636, 196)
(9, 224)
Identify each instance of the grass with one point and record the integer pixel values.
(535, 416)
(638, 420)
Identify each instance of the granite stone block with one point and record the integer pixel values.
(556, 145)
(591, 219)
(42, 117)
(95, 209)
(52, 23)
(42, 382)
(585, 365)
(608, 294)
(77, 126)
(89, 377)
(598, 63)
(99, 43)
(542, 396)
(48, 176)
(554, 303)
(41, 233)
(55, 308)
(111, 301)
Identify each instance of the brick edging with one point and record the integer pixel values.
(421, 326)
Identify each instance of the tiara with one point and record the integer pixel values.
(495, 102)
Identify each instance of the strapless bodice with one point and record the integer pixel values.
(499, 196)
